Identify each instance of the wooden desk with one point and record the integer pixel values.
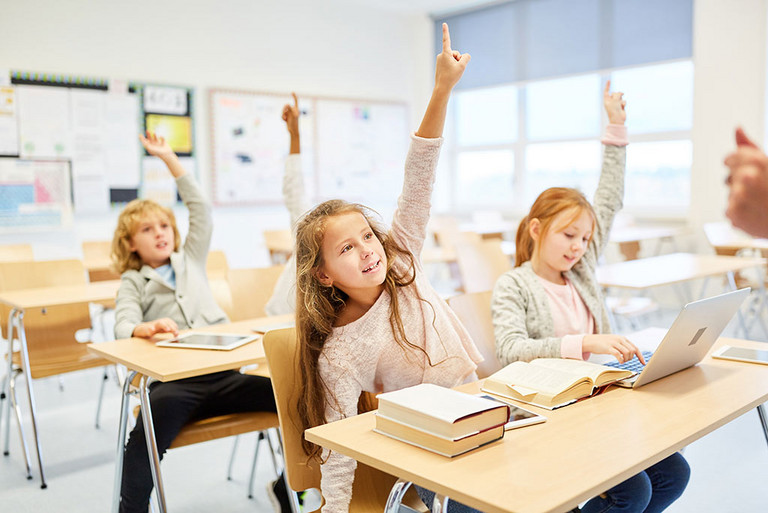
(629, 237)
(581, 451)
(670, 269)
(99, 268)
(20, 300)
(146, 360)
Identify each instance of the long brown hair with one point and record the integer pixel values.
(128, 222)
(318, 306)
(547, 207)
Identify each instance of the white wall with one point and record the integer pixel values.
(308, 46)
(349, 50)
(729, 91)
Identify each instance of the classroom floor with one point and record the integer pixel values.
(729, 466)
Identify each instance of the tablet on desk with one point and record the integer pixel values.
(518, 416)
(742, 354)
(201, 340)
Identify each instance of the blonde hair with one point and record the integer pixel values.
(318, 306)
(547, 207)
(132, 215)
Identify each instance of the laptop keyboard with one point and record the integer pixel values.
(634, 364)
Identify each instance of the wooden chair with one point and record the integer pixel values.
(474, 312)
(280, 245)
(50, 333)
(251, 289)
(217, 266)
(96, 258)
(480, 264)
(223, 426)
(371, 487)
(16, 253)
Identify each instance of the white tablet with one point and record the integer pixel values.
(742, 354)
(202, 340)
(518, 416)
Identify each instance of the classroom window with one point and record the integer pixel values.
(484, 178)
(565, 108)
(562, 164)
(486, 116)
(658, 174)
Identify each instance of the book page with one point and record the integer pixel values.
(523, 376)
(596, 373)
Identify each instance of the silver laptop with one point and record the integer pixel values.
(691, 336)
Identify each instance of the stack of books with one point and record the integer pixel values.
(440, 419)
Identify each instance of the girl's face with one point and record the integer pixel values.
(353, 257)
(564, 244)
(153, 240)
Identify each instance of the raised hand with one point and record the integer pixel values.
(148, 329)
(155, 145)
(614, 105)
(291, 115)
(748, 180)
(450, 64)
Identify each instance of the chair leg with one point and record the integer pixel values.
(232, 458)
(259, 438)
(763, 420)
(15, 405)
(272, 453)
(104, 379)
(396, 495)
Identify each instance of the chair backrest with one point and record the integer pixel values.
(50, 331)
(481, 263)
(34, 275)
(280, 347)
(96, 249)
(371, 486)
(97, 260)
(217, 266)
(474, 311)
(251, 289)
(16, 252)
(280, 245)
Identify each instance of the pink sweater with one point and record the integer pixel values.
(364, 356)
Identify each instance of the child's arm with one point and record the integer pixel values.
(409, 225)
(128, 314)
(200, 218)
(609, 197)
(293, 179)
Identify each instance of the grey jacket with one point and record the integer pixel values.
(144, 296)
(522, 320)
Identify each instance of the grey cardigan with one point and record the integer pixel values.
(522, 320)
(144, 296)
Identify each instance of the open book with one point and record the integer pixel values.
(551, 382)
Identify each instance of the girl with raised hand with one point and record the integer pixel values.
(551, 306)
(367, 318)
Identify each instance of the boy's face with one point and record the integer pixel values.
(353, 257)
(153, 240)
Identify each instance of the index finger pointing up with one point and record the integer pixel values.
(446, 39)
(607, 87)
(295, 100)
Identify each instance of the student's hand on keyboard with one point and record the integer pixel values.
(615, 345)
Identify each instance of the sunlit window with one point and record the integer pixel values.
(486, 116)
(658, 174)
(484, 178)
(565, 108)
(568, 164)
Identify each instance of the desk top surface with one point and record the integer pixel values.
(61, 295)
(172, 363)
(668, 269)
(582, 450)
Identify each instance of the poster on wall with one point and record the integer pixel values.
(9, 122)
(360, 144)
(250, 144)
(34, 193)
(44, 122)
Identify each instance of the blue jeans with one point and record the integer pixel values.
(650, 491)
(453, 507)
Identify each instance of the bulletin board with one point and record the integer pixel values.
(91, 125)
(351, 149)
(34, 193)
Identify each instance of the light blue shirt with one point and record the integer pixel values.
(167, 273)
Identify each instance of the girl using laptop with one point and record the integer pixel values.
(550, 305)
